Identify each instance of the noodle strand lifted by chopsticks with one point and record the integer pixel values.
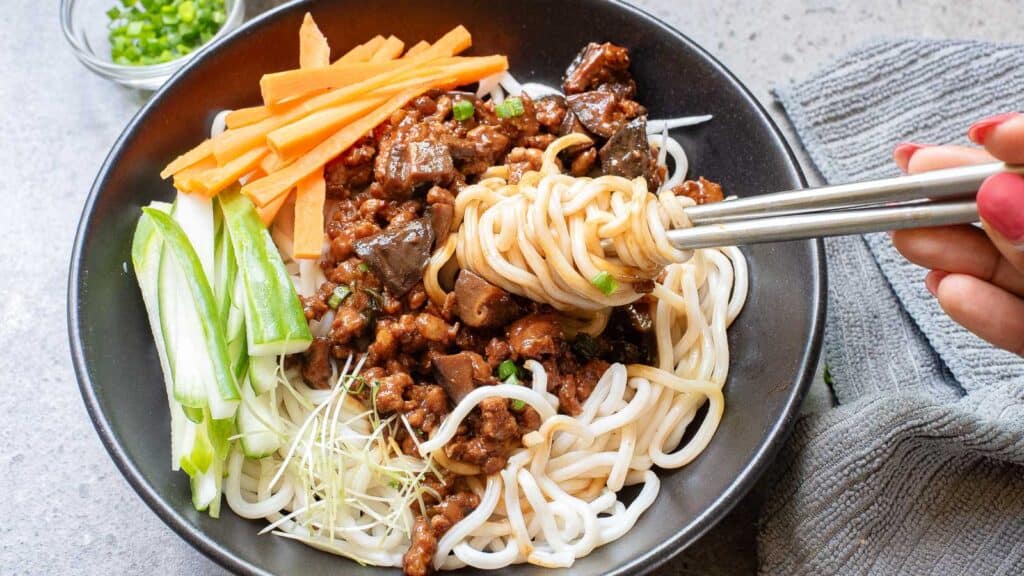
(542, 237)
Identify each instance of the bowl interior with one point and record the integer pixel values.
(774, 342)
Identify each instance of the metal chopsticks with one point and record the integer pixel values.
(936, 198)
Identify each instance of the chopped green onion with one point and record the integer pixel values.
(463, 110)
(510, 108)
(394, 483)
(156, 31)
(518, 405)
(604, 282)
(363, 267)
(338, 296)
(507, 369)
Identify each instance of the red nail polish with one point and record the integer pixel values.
(980, 130)
(1001, 204)
(933, 279)
(903, 152)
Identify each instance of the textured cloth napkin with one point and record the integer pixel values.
(920, 467)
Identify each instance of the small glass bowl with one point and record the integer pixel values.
(85, 27)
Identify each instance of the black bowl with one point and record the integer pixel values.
(775, 342)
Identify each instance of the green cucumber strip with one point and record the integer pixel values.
(181, 326)
(263, 373)
(254, 418)
(225, 268)
(237, 344)
(224, 402)
(146, 254)
(274, 321)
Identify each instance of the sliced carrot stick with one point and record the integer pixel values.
(361, 53)
(279, 86)
(373, 44)
(313, 47)
(310, 193)
(389, 50)
(417, 48)
(213, 181)
(269, 212)
(245, 116)
(266, 189)
(185, 180)
(204, 149)
(292, 140)
(296, 138)
(271, 163)
(233, 143)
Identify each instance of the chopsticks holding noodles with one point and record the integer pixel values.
(938, 198)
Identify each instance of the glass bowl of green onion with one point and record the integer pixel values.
(140, 43)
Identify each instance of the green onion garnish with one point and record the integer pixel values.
(518, 405)
(338, 296)
(604, 282)
(146, 32)
(510, 108)
(363, 267)
(463, 110)
(507, 369)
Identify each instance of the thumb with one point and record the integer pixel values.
(1001, 206)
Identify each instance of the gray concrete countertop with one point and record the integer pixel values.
(68, 509)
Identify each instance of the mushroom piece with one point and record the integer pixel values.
(481, 304)
(399, 255)
(459, 373)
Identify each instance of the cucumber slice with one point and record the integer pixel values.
(200, 347)
(263, 373)
(274, 320)
(255, 420)
(147, 250)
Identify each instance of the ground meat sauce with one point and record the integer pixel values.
(391, 197)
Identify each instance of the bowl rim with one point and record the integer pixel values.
(642, 563)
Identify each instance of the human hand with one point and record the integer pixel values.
(977, 276)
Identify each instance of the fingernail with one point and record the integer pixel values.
(933, 279)
(981, 129)
(902, 153)
(1001, 205)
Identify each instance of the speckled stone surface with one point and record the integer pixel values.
(67, 509)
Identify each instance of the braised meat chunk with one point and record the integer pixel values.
(702, 191)
(629, 154)
(595, 65)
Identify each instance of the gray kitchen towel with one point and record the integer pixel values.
(920, 467)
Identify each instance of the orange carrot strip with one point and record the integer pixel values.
(264, 190)
(373, 44)
(291, 83)
(417, 48)
(245, 116)
(361, 53)
(310, 194)
(271, 163)
(185, 180)
(213, 181)
(204, 149)
(389, 50)
(233, 143)
(313, 47)
(279, 86)
(269, 212)
(294, 139)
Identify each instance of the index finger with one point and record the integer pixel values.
(1002, 136)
